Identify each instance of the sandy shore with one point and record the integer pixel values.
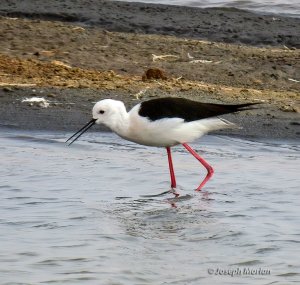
(74, 56)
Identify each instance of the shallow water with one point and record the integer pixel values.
(82, 214)
(281, 7)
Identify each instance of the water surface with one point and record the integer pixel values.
(83, 214)
(282, 7)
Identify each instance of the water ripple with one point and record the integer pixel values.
(97, 214)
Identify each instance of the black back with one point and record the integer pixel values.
(186, 109)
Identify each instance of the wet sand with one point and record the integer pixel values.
(74, 56)
(71, 108)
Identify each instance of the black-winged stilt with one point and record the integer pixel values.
(163, 122)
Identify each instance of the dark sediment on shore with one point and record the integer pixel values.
(71, 108)
(215, 24)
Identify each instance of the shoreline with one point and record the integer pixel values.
(69, 110)
(73, 64)
(229, 25)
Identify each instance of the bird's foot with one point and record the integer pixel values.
(174, 192)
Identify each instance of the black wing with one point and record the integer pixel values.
(186, 109)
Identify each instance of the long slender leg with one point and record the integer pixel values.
(210, 170)
(172, 174)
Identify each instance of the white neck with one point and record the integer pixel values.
(119, 122)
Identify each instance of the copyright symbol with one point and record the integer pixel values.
(210, 271)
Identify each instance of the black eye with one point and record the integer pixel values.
(101, 112)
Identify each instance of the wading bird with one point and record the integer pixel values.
(163, 122)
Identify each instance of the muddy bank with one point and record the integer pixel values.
(73, 66)
(69, 109)
(44, 52)
(214, 24)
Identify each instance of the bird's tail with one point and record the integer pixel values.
(229, 125)
(193, 130)
(214, 124)
(246, 106)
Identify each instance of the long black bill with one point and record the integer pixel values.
(81, 131)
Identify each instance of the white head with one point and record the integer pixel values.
(111, 113)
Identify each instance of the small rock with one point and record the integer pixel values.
(154, 73)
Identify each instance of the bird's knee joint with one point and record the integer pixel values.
(210, 170)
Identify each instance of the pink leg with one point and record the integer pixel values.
(172, 174)
(210, 170)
